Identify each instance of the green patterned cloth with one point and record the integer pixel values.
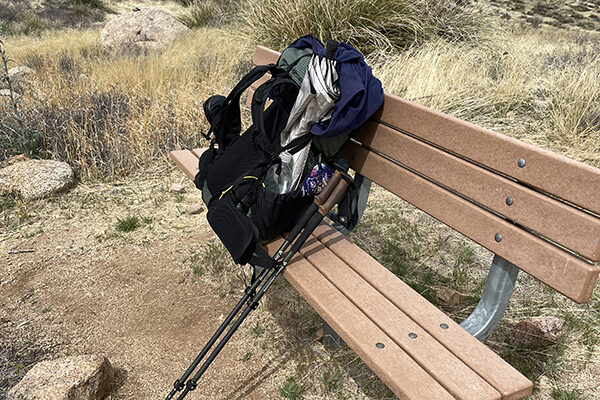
(290, 55)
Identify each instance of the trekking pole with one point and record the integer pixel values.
(323, 203)
(179, 384)
(249, 292)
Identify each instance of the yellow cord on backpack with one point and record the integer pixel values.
(225, 191)
(254, 177)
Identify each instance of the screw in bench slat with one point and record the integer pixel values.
(379, 345)
(444, 326)
(509, 201)
(498, 237)
(521, 162)
(412, 335)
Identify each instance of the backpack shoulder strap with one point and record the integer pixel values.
(279, 85)
(225, 113)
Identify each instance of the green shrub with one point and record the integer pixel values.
(17, 133)
(291, 389)
(89, 3)
(564, 394)
(128, 224)
(367, 24)
(25, 23)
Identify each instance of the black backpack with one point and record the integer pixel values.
(242, 210)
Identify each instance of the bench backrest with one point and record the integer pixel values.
(532, 207)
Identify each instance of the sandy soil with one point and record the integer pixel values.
(128, 296)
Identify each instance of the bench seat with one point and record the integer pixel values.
(416, 350)
(425, 354)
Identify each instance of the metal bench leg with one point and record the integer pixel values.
(494, 300)
(330, 337)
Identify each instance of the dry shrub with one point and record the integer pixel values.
(109, 114)
(540, 87)
(366, 24)
(31, 17)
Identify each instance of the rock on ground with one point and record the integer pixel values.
(537, 332)
(448, 297)
(4, 93)
(147, 29)
(16, 74)
(20, 72)
(177, 188)
(195, 208)
(70, 378)
(34, 179)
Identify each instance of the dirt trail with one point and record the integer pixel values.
(132, 296)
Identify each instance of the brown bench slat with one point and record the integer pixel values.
(562, 177)
(395, 368)
(264, 55)
(497, 372)
(567, 274)
(185, 160)
(456, 377)
(249, 94)
(561, 223)
(198, 151)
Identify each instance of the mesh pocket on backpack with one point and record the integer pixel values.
(274, 213)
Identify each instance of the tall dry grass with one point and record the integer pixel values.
(110, 114)
(367, 24)
(539, 86)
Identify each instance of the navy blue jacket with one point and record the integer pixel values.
(361, 93)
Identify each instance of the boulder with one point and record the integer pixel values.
(22, 71)
(538, 332)
(5, 95)
(34, 179)
(143, 30)
(195, 208)
(70, 378)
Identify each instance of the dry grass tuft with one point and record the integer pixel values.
(110, 114)
(366, 24)
(201, 13)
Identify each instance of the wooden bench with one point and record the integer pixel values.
(535, 210)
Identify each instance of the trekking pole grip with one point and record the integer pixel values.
(336, 196)
(326, 192)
